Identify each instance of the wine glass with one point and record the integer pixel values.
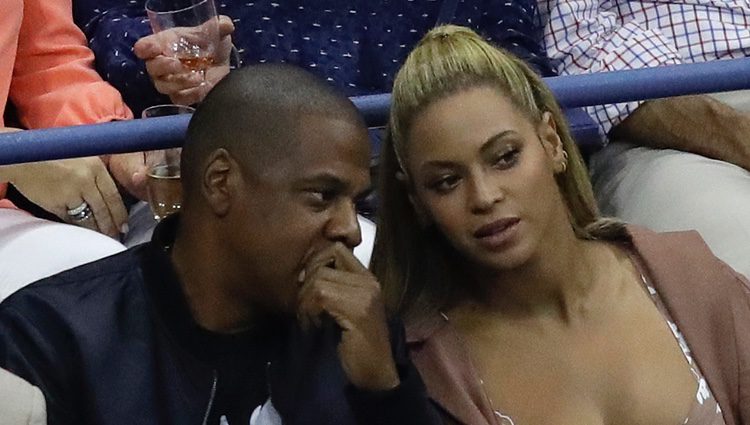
(163, 184)
(188, 30)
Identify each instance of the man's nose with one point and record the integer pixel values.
(344, 227)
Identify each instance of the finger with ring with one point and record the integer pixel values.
(81, 212)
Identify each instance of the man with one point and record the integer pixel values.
(198, 325)
(672, 166)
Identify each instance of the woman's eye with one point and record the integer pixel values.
(444, 184)
(507, 159)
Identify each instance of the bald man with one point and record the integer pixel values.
(250, 293)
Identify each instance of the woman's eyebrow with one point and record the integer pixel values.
(492, 140)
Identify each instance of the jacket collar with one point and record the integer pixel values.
(685, 279)
(446, 370)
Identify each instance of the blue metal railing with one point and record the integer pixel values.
(571, 91)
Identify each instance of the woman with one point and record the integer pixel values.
(523, 306)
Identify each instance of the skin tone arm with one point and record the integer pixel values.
(60, 185)
(697, 124)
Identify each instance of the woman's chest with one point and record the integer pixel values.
(629, 371)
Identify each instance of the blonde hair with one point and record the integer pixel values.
(450, 59)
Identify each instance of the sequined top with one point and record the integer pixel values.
(705, 410)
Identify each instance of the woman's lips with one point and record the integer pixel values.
(498, 233)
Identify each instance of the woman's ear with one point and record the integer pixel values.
(216, 181)
(553, 146)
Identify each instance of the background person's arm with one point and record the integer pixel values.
(696, 124)
(581, 37)
(60, 185)
(54, 81)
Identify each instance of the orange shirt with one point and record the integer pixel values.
(47, 70)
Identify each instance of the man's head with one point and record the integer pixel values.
(273, 163)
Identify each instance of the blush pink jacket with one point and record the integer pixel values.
(47, 70)
(709, 302)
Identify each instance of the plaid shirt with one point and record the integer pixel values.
(583, 36)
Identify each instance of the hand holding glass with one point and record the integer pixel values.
(188, 30)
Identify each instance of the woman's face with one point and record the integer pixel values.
(484, 175)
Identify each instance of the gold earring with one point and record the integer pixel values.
(564, 161)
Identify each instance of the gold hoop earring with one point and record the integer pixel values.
(564, 161)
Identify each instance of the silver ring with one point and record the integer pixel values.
(81, 212)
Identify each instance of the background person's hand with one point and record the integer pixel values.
(172, 79)
(130, 171)
(58, 186)
(335, 283)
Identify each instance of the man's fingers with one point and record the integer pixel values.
(345, 260)
(336, 256)
(344, 296)
(314, 300)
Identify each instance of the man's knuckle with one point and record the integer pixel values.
(320, 294)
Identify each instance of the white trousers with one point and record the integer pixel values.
(671, 190)
(20, 402)
(32, 248)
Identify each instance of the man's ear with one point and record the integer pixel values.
(216, 181)
(553, 146)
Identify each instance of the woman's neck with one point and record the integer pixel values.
(560, 283)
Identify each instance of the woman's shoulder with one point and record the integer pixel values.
(682, 261)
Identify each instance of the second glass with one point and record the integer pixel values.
(163, 185)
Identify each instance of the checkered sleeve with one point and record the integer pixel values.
(581, 37)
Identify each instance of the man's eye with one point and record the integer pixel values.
(444, 184)
(322, 195)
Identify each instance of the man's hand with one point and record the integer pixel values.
(697, 124)
(172, 79)
(58, 186)
(335, 283)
